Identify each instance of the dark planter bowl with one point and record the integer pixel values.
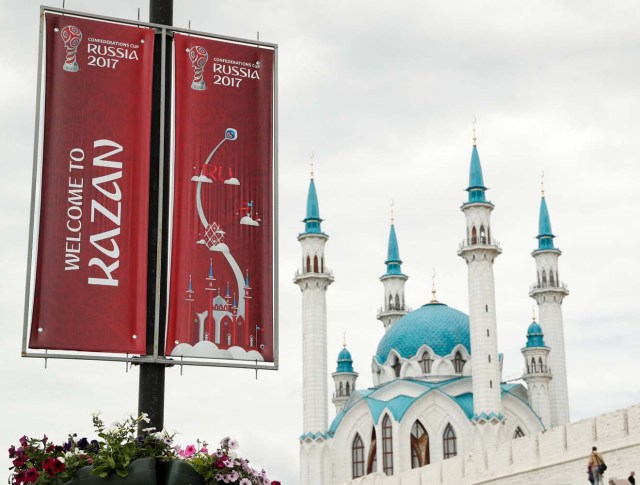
(177, 472)
(141, 472)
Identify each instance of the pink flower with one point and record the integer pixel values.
(31, 476)
(245, 481)
(24, 440)
(188, 451)
(204, 450)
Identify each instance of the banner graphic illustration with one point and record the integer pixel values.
(222, 289)
(91, 264)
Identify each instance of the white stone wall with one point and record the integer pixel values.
(555, 457)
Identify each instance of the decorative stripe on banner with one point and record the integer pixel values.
(221, 292)
(90, 288)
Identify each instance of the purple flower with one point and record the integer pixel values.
(83, 443)
(45, 439)
(24, 441)
(12, 451)
(95, 445)
(67, 446)
(31, 476)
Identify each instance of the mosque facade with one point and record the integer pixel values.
(437, 388)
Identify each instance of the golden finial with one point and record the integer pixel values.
(475, 142)
(433, 288)
(542, 183)
(311, 164)
(393, 217)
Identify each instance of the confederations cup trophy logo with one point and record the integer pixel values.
(199, 57)
(71, 36)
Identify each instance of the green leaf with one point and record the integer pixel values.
(122, 472)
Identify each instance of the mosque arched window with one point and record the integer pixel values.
(322, 264)
(489, 234)
(387, 446)
(425, 363)
(315, 264)
(518, 433)
(348, 390)
(474, 236)
(541, 366)
(397, 302)
(308, 264)
(533, 364)
(419, 446)
(483, 237)
(357, 457)
(340, 390)
(458, 362)
(396, 367)
(552, 280)
(449, 442)
(390, 307)
(544, 278)
(372, 461)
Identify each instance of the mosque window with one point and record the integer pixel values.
(489, 356)
(425, 363)
(348, 389)
(372, 461)
(487, 332)
(322, 264)
(308, 264)
(541, 367)
(398, 302)
(489, 234)
(474, 236)
(449, 442)
(387, 446)
(533, 364)
(340, 390)
(552, 281)
(544, 278)
(419, 446)
(396, 367)
(390, 307)
(518, 433)
(315, 264)
(458, 362)
(483, 237)
(357, 457)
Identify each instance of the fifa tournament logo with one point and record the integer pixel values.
(199, 57)
(71, 36)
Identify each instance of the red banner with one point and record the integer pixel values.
(90, 290)
(221, 292)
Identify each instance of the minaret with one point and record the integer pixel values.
(479, 250)
(393, 280)
(549, 292)
(537, 373)
(345, 379)
(208, 333)
(314, 279)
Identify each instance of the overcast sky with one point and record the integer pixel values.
(384, 93)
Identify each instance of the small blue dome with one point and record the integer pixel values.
(345, 363)
(435, 324)
(535, 337)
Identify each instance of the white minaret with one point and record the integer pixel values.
(313, 278)
(479, 250)
(548, 292)
(537, 373)
(344, 378)
(393, 280)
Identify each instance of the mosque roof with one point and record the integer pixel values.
(401, 403)
(312, 220)
(393, 262)
(545, 235)
(435, 324)
(476, 187)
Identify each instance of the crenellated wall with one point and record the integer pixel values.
(554, 457)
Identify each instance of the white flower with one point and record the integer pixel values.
(148, 430)
(145, 417)
(68, 455)
(233, 444)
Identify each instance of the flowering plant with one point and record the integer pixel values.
(223, 465)
(40, 462)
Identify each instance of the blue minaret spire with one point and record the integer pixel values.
(476, 187)
(545, 235)
(393, 262)
(312, 220)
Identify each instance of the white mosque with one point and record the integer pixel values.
(438, 389)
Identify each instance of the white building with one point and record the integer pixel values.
(438, 389)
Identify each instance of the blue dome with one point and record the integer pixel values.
(345, 363)
(535, 337)
(435, 324)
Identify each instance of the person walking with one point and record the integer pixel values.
(597, 466)
(631, 478)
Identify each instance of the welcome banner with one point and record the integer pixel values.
(222, 261)
(90, 279)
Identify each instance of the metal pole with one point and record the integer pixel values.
(152, 375)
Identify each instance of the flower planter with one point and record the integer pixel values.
(178, 472)
(141, 472)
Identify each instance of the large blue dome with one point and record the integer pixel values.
(434, 324)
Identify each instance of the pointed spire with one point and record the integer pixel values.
(545, 235)
(476, 187)
(312, 220)
(393, 262)
(228, 294)
(246, 279)
(433, 288)
(211, 269)
(235, 303)
(190, 287)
